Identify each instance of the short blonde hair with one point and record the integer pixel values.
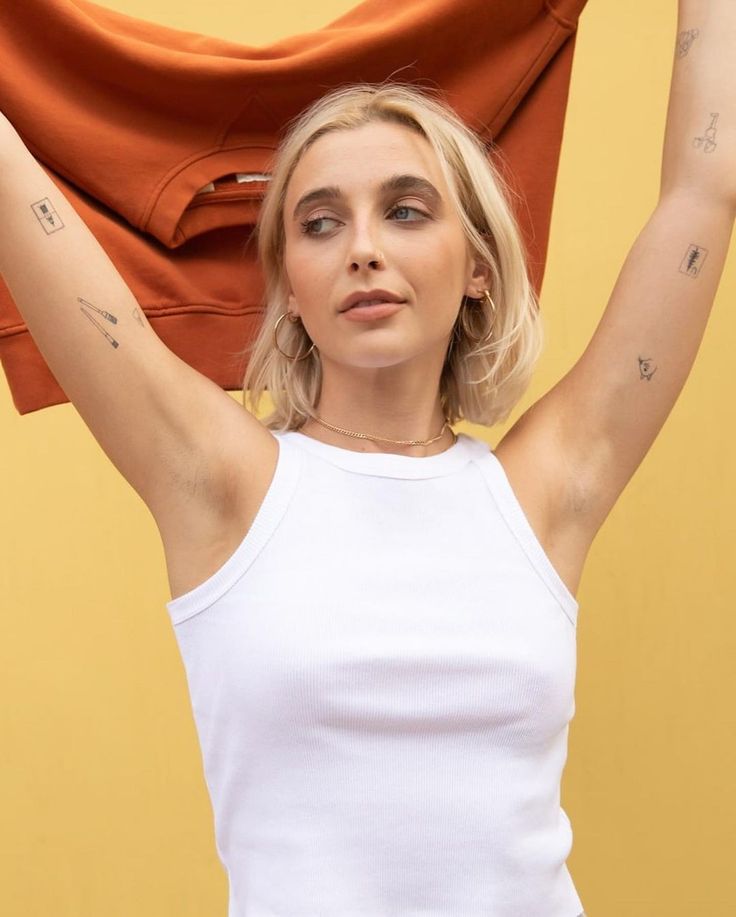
(480, 383)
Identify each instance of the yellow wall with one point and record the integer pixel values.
(103, 801)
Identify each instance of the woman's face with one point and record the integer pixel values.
(412, 227)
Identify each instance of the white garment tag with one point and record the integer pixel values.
(240, 177)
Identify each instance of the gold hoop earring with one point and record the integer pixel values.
(461, 325)
(293, 319)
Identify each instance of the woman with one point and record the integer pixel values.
(377, 737)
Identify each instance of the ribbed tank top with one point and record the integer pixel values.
(382, 679)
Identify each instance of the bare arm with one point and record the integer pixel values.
(157, 419)
(603, 416)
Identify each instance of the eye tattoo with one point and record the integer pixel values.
(693, 260)
(47, 216)
(708, 142)
(646, 370)
(685, 40)
(106, 315)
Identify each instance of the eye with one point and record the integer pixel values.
(309, 227)
(407, 207)
(308, 224)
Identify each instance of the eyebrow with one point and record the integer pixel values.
(402, 183)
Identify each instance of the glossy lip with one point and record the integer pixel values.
(361, 295)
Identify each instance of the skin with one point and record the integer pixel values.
(380, 377)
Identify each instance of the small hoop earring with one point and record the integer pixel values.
(293, 319)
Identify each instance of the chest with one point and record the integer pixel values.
(193, 555)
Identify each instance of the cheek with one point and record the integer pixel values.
(442, 273)
(299, 269)
(305, 257)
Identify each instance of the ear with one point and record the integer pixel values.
(479, 279)
(291, 304)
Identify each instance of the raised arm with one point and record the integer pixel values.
(172, 432)
(602, 417)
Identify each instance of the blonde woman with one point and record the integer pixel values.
(377, 615)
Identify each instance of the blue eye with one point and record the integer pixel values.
(406, 207)
(306, 225)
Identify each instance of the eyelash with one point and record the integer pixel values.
(306, 224)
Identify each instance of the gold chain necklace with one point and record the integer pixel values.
(396, 442)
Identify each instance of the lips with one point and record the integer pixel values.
(368, 302)
(365, 296)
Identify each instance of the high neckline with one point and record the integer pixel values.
(389, 464)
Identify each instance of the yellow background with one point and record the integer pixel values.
(103, 801)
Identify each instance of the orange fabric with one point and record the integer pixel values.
(131, 119)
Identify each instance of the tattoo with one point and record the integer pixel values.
(137, 317)
(47, 216)
(693, 261)
(646, 370)
(709, 141)
(106, 315)
(685, 40)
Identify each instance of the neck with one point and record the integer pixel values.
(397, 403)
(380, 440)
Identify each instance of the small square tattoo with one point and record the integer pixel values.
(47, 216)
(693, 260)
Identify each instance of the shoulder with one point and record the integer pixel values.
(200, 532)
(552, 497)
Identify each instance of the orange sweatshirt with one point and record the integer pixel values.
(156, 137)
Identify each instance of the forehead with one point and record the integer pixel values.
(360, 158)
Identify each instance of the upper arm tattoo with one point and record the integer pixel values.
(47, 216)
(52, 222)
(108, 316)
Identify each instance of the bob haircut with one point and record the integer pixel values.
(481, 382)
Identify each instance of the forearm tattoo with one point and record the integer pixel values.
(685, 41)
(708, 142)
(693, 261)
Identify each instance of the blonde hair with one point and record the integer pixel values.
(479, 382)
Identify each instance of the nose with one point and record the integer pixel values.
(365, 253)
(373, 261)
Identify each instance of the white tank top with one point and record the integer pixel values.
(382, 677)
